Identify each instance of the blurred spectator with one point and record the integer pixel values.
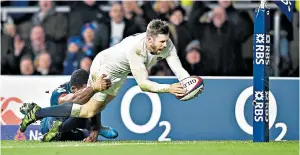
(88, 35)
(26, 66)
(161, 69)
(11, 59)
(74, 55)
(55, 24)
(112, 32)
(84, 12)
(220, 41)
(21, 20)
(180, 34)
(37, 39)
(134, 13)
(39, 43)
(193, 59)
(10, 28)
(157, 70)
(43, 64)
(8, 32)
(85, 63)
(159, 10)
(117, 24)
(241, 20)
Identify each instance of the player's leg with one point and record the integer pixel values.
(46, 124)
(65, 127)
(62, 110)
(87, 110)
(69, 129)
(100, 100)
(96, 104)
(104, 131)
(38, 113)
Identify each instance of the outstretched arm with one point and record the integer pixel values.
(175, 65)
(140, 74)
(139, 71)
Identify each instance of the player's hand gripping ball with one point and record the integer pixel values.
(193, 86)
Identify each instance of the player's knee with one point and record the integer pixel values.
(102, 108)
(88, 112)
(91, 109)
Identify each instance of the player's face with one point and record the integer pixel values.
(159, 43)
(75, 89)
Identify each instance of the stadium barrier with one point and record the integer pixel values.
(222, 112)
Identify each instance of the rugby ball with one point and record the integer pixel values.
(193, 86)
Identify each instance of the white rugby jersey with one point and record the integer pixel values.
(131, 55)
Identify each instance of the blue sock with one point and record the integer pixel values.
(62, 110)
(73, 123)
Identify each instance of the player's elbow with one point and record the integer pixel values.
(144, 87)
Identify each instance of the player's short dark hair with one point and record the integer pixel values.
(156, 27)
(79, 78)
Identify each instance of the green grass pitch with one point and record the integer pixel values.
(150, 148)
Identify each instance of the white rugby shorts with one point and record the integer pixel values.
(98, 68)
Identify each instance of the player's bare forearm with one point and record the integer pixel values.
(82, 96)
(66, 98)
(176, 66)
(141, 76)
(154, 87)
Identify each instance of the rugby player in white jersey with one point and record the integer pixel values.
(133, 54)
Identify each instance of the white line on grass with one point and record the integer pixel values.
(79, 145)
(42, 145)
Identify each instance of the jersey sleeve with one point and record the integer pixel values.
(175, 64)
(56, 94)
(138, 69)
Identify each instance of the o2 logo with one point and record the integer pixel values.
(240, 115)
(155, 116)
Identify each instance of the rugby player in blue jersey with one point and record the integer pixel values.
(70, 128)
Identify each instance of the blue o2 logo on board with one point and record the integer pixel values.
(240, 114)
(154, 119)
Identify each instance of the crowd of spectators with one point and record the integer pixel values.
(209, 41)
